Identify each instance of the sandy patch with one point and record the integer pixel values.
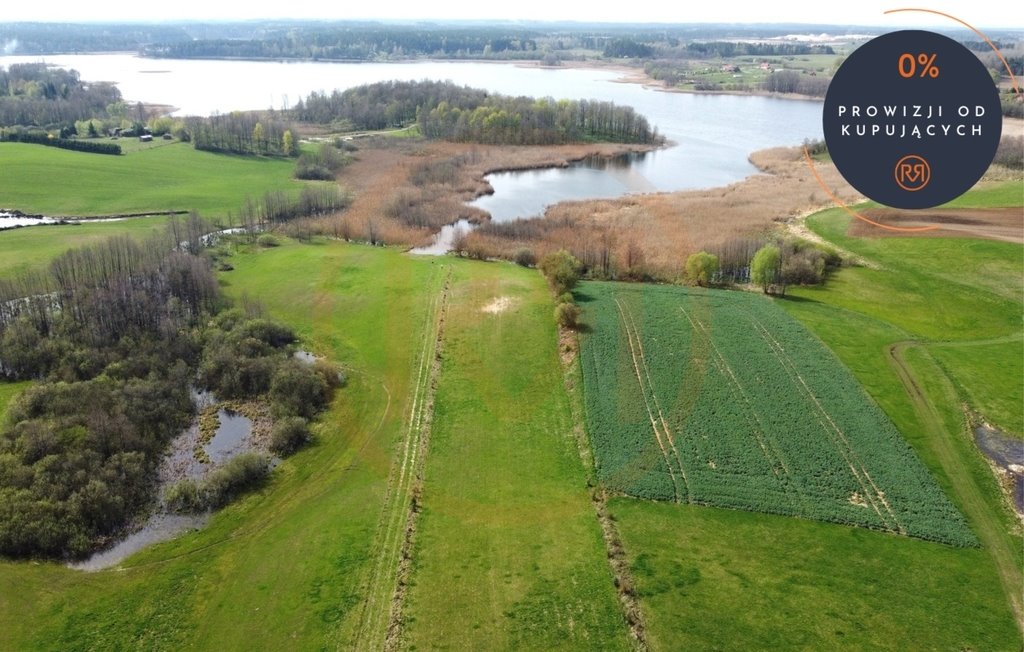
(499, 304)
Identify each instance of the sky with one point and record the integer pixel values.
(981, 13)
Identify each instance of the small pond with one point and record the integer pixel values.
(1007, 453)
(233, 436)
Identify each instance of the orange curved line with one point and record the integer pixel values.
(1013, 79)
(821, 182)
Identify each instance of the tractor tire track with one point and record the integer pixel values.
(384, 586)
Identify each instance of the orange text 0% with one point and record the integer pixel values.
(909, 64)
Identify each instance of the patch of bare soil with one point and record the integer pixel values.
(498, 304)
(1004, 224)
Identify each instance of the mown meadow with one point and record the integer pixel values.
(159, 178)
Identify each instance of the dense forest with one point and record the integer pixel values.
(40, 95)
(447, 111)
(114, 336)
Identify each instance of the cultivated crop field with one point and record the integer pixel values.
(722, 399)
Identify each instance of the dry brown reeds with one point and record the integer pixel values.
(650, 236)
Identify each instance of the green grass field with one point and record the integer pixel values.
(283, 568)
(721, 398)
(715, 579)
(935, 330)
(961, 298)
(293, 565)
(51, 181)
(33, 247)
(509, 553)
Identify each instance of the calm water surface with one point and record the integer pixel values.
(713, 134)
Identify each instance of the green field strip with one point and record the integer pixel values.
(508, 554)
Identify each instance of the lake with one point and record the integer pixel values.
(712, 134)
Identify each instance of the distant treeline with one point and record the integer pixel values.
(446, 111)
(627, 48)
(743, 49)
(40, 138)
(36, 94)
(362, 43)
(53, 38)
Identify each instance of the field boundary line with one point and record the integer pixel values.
(986, 522)
(618, 561)
(393, 635)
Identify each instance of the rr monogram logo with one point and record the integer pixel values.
(913, 173)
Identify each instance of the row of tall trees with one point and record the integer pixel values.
(242, 133)
(791, 81)
(275, 207)
(111, 290)
(771, 264)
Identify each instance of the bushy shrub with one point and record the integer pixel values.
(524, 257)
(297, 390)
(567, 315)
(240, 474)
(184, 496)
(562, 270)
(289, 434)
(1010, 152)
(331, 373)
(701, 268)
(267, 240)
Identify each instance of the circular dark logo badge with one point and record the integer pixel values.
(912, 119)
